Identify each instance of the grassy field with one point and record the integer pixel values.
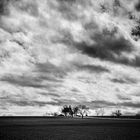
(41, 128)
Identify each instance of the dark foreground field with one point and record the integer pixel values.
(37, 128)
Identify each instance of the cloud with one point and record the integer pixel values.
(130, 104)
(24, 81)
(32, 103)
(137, 6)
(107, 104)
(32, 81)
(93, 68)
(136, 94)
(18, 100)
(124, 80)
(123, 98)
(49, 94)
(102, 103)
(29, 7)
(48, 68)
(68, 52)
(109, 47)
(3, 7)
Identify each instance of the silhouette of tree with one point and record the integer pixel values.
(65, 110)
(102, 111)
(99, 111)
(75, 110)
(117, 113)
(55, 114)
(71, 112)
(83, 110)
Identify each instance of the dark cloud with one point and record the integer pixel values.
(48, 68)
(24, 81)
(50, 78)
(136, 94)
(127, 113)
(124, 80)
(4, 55)
(66, 8)
(31, 103)
(136, 32)
(50, 72)
(3, 107)
(137, 6)
(19, 100)
(49, 94)
(108, 47)
(29, 7)
(63, 101)
(93, 68)
(75, 90)
(121, 81)
(117, 3)
(45, 72)
(3, 7)
(130, 104)
(121, 97)
(102, 103)
(105, 7)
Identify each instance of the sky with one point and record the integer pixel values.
(61, 52)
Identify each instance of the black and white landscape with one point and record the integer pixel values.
(67, 53)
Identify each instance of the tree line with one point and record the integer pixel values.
(81, 110)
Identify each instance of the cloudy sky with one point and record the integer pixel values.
(57, 52)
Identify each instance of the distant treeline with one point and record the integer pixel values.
(83, 110)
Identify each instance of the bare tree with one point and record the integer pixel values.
(117, 113)
(71, 111)
(99, 112)
(65, 110)
(75, 110)
(102, 112)
(83, 110)
(55, 114)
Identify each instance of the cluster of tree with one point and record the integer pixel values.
(100, 112)
(117, 113)
(81, 110)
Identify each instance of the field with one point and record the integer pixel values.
(41, 128)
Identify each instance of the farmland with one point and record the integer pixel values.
(47, 128)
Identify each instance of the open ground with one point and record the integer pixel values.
(47, 128)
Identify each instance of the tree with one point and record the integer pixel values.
(102, 112)
(117, 113)
(99, 111)
(75, 110)
(83, 110)
(71, 111)
(65, 110)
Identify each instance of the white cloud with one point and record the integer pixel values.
(62, 37)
